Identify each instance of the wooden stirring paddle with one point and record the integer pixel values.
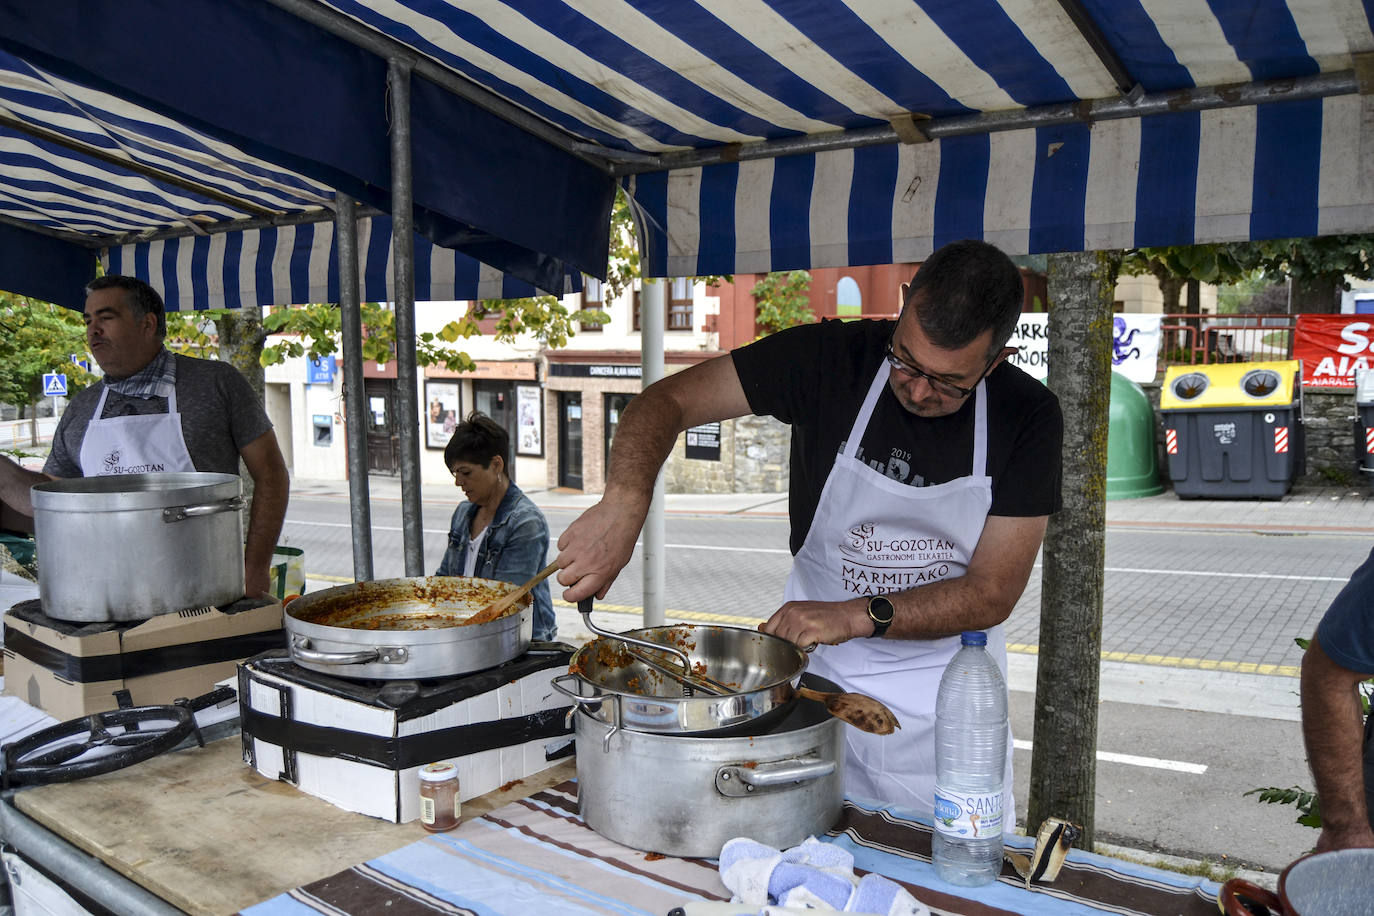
(503, 604)
(863, 712)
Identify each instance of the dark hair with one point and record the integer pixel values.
(478, 439)
(141, 298)
(964, 289)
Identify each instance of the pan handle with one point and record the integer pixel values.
(738, 781)
(584, 607)
(387, 655)
(557, 684)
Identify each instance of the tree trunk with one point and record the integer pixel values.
(241, 337)
(1317, 296)
(1064, 764)
(33, 423)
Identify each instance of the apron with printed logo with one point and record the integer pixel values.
(144, 444)
(871, 535)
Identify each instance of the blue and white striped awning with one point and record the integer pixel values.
(84, 168)
(767, 134)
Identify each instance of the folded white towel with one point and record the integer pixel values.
(812, 875)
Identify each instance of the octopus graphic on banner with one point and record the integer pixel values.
(1121, 339)
(874, 565)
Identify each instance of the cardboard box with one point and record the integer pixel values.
(70, 669)
(361, 748)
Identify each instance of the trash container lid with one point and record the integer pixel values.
(1265, 384)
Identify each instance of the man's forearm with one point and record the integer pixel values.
(264, 527)
(15, 484)
(948, 608)
(644, 438)
(1332, 730)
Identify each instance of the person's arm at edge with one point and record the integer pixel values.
(1332, 730)
(271, 490)
(599, 542)
(15, 483)
(981, 598)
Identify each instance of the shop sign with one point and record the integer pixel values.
(1332, 347)
(703, 442)
(582, 370)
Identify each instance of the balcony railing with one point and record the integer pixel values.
(1205, 339)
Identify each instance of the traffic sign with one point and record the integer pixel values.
(55, 384)
(82, 362)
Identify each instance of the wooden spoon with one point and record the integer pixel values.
(862, 712)
(504, 603)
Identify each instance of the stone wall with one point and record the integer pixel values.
(1330, 436)
(753, 459)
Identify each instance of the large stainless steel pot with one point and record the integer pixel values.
(128, 547)
(388, 629)
(623, 687)
(685, 795)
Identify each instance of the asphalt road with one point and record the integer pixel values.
(1175, 754)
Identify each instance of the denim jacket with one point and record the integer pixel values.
(513, 551)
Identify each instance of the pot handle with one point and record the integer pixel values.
(181, 513)
(557, 684)
(738, 780)
(389, 655)
(1233, 907)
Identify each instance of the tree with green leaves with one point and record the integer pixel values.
(37, 337)
(781, 300)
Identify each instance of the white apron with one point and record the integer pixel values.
(873, 535)
(134, 445)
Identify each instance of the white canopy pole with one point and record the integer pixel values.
(652, 315)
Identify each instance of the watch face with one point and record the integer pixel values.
(880, 609)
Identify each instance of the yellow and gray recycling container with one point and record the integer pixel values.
(1233, 430)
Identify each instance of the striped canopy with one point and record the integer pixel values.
(760, 135)
(87, 175)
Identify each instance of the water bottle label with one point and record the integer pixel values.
(972, 816)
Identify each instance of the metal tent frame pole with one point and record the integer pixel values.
(355, 403)
(652, 312)
(403, 296)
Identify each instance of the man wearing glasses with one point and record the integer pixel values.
(923, 472)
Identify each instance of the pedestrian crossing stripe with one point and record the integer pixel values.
(1280, 439)
(1171, 441)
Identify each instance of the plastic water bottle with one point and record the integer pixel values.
(970, 764)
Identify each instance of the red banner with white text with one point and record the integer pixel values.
(1332, 347)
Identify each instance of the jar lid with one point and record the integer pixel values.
(438, 772)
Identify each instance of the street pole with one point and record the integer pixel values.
(652, 312)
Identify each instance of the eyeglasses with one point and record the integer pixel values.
(938, 385)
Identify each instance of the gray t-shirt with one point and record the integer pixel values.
(219, 416)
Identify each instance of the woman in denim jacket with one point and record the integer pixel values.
(496, 533)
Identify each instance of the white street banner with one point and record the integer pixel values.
(1135, 345)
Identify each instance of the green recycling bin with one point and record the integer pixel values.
(1233, 431)
(1132, 470)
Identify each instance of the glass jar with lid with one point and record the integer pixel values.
(440, 807)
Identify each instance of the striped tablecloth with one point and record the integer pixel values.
(537, 856)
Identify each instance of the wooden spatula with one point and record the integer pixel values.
(863, 712)
(503, 604)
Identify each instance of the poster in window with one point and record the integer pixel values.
(529, 421)
(441, 412)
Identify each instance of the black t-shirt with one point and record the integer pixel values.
(815, 377)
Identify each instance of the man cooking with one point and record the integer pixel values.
(155, 411)
(923, 471)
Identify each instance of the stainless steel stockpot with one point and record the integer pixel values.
(685, 795)
(387, 629)
(131, 546)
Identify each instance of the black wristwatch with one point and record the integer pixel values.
(880, 611)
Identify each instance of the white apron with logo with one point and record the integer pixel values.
(873, 535)
(134, 445)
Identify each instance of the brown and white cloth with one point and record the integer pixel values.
(538, 856)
